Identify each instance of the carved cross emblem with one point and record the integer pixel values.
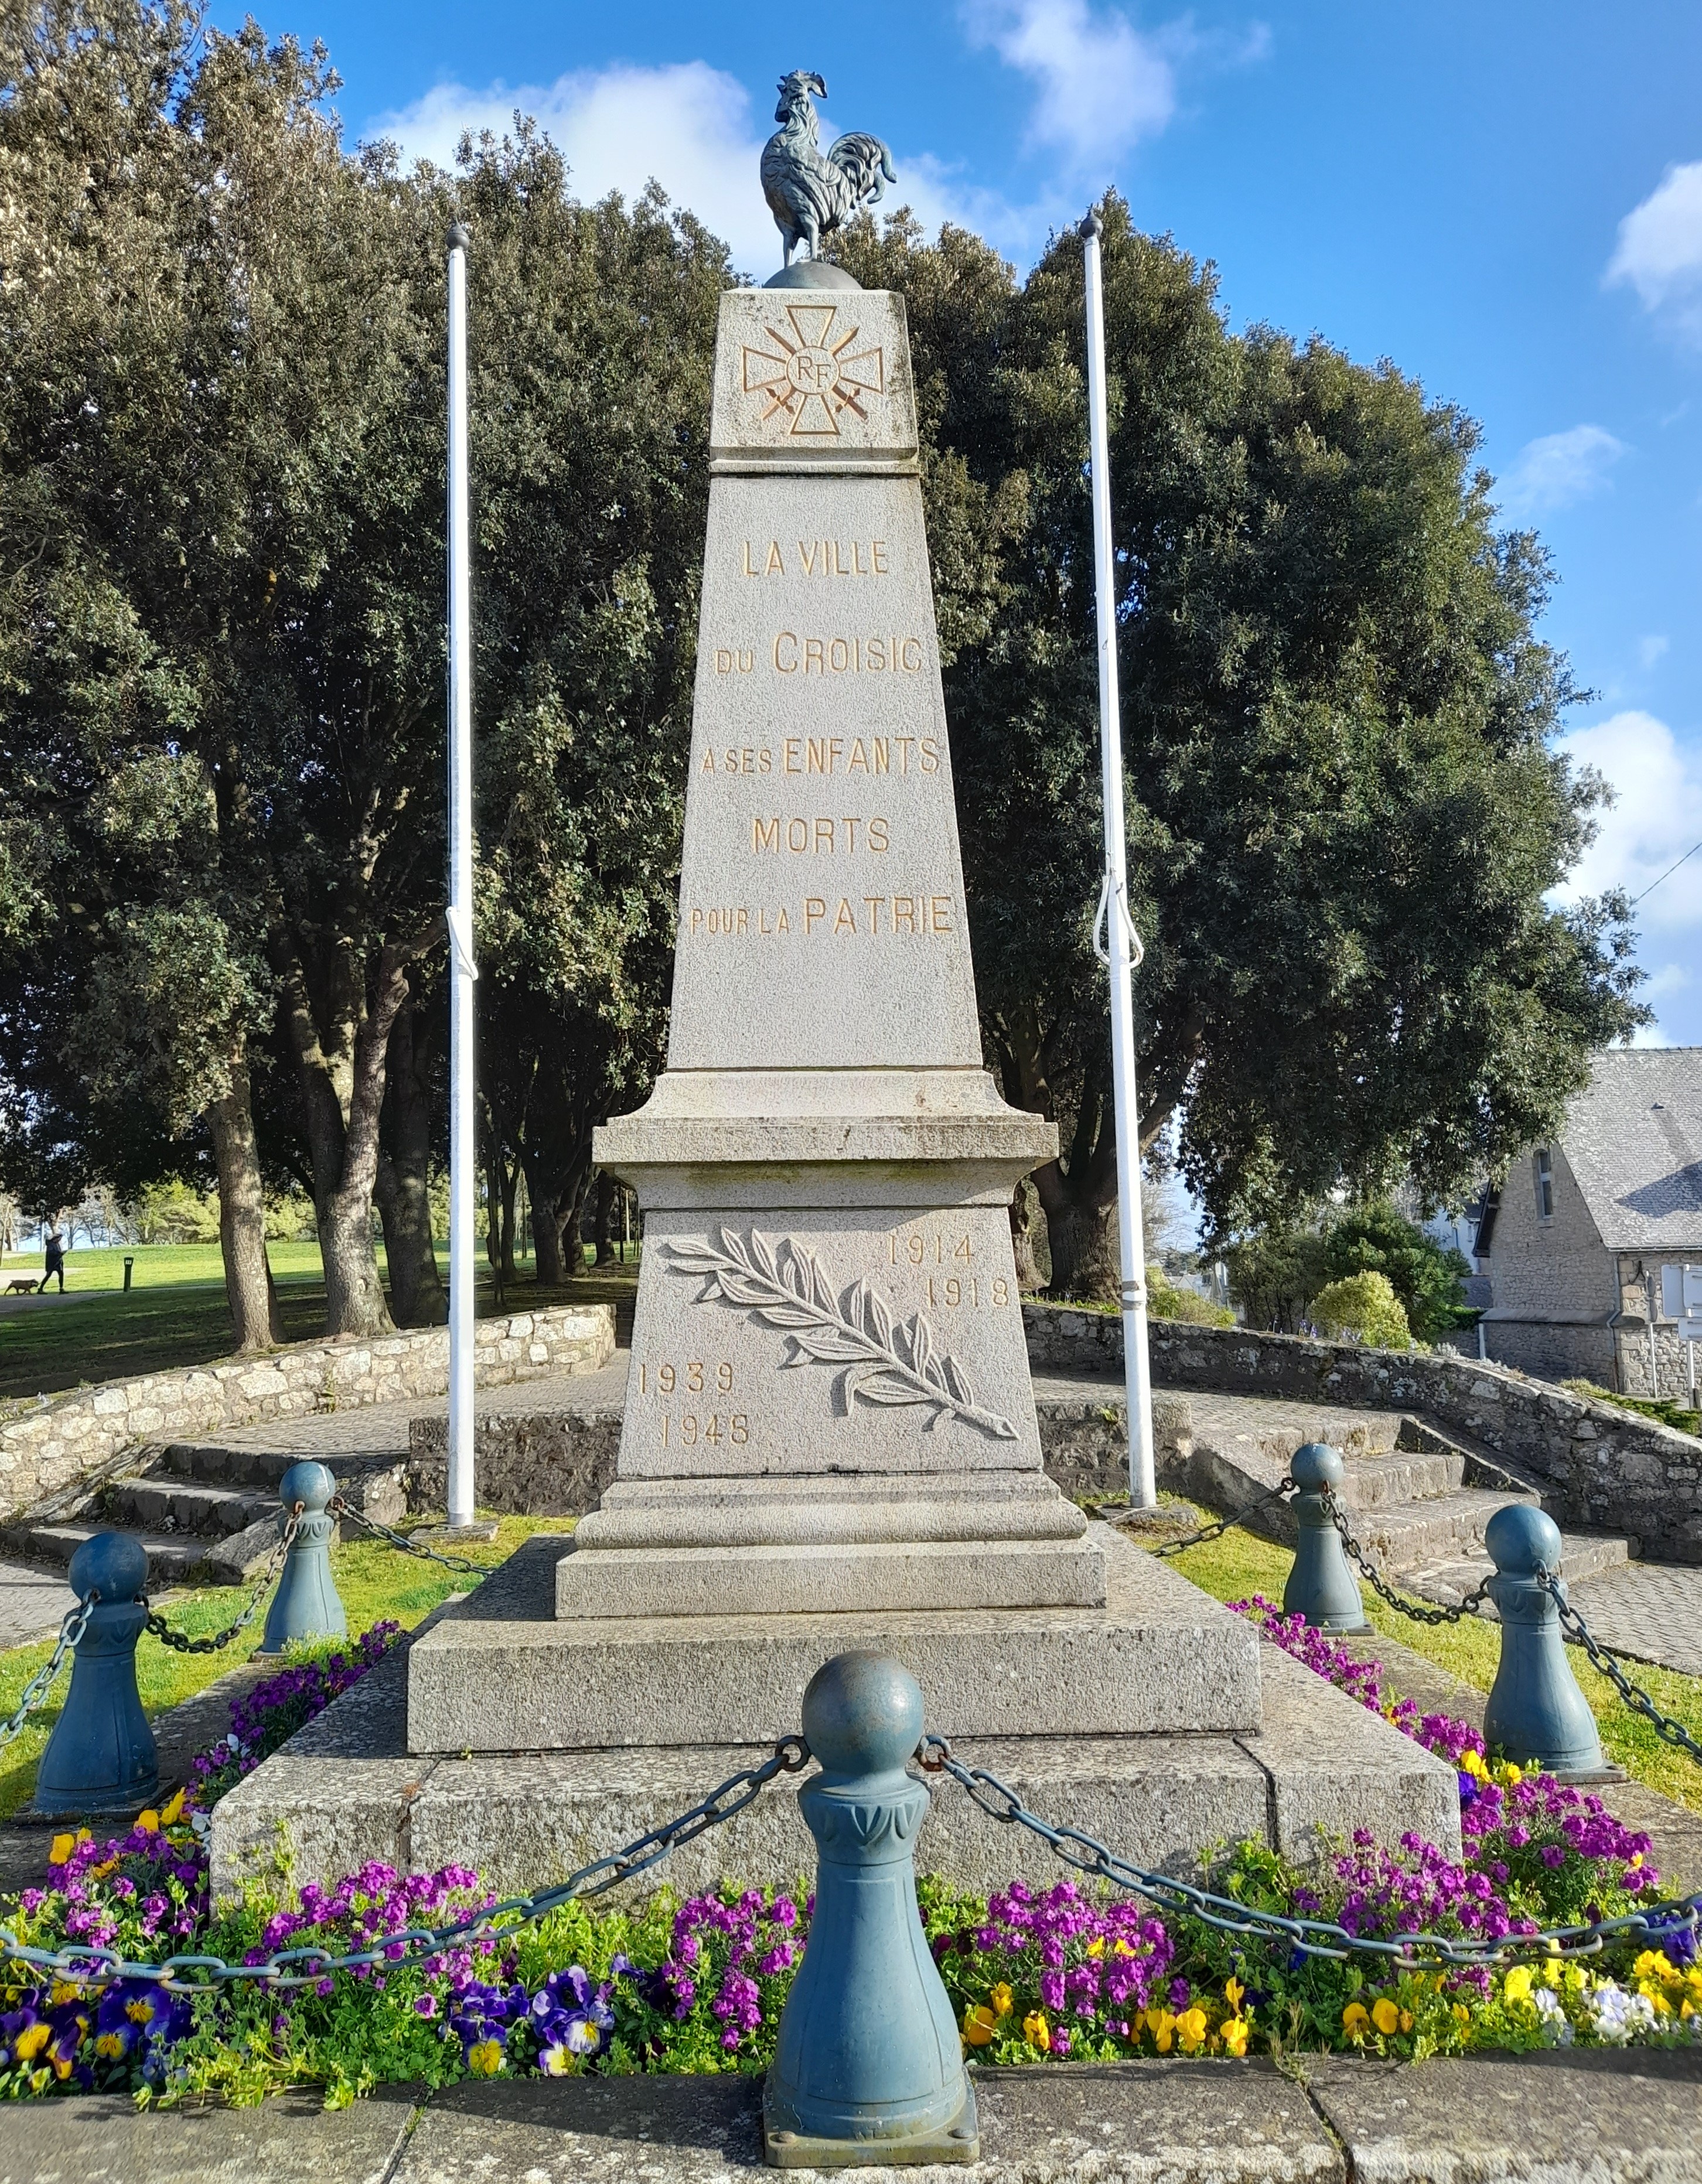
(813, 374)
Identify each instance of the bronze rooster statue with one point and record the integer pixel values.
(811, 192)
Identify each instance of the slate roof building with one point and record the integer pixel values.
(1585, 1244)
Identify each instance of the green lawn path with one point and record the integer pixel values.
(175, 1315)
(376, 1582)
(1241, 1563)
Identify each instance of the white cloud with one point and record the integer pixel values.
(1559, 468)
(1101, 84)
(1649, 1035)
(689, 127)
(1656, 817)
(1660, 247)
(1651, 648)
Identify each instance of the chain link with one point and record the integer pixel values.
(1285, 1485)
(1374, 1577)
(157, 1627)
(1313, 1937)
(36, 1691)
(1575, 1627)
(339, 1508)
(88, 1964)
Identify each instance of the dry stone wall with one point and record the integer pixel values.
(1610, 1469)
(53, 1444)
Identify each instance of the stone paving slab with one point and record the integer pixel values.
(32, 1603)
(1599, 2117)
(1650, 1610)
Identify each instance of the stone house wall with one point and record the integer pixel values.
(1549, 1280)
(49, 1446)
(1608, 1469)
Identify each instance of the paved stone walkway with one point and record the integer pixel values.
(1601, 2117)
(381, 1428)
(32, 1603)
(1652, 1610)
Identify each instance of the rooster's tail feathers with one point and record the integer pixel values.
(865, 164)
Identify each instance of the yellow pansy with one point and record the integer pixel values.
(60, 1849)
(1356, 2020)
(1512, 1774)
(1095, 1947)
(1001, 1999)
(31, 2041)
(1126, 1948)
(1233, 1991)
(1233, 2032)
(171, 1813)
(1386, 2016)
(1653, 1964)
(1516, 1986)
(1191, 2029)
(1406, 2020)
(1163, 2027)
(149, 1820)
(1036, 2031)
(484, 2059)
(979, 2025)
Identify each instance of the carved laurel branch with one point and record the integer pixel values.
(885, 1361)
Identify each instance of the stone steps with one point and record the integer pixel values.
(206, 1512)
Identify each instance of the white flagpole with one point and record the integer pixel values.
(1122, 950)
(462, 969)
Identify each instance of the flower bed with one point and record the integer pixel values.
(698, 1986)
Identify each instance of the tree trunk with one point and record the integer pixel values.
(1029, 1275)
(342, 1074)
(418, 1297)
(546, 1225)
(1085, 1257)
(511, 1184)
(242, 1217)
(573, 1223)
(606, 1218)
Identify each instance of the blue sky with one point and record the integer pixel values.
(1506, 199)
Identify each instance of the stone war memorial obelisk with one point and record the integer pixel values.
(829, 1440)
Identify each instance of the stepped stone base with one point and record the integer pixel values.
(346, 1788)
(504, 1675)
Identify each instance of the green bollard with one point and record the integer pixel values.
(1536, 1710)
(1320, 1585)
(868, 2063)
(101, 1756)
(305, 1604)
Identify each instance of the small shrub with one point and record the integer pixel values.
(1168, 1299)
(1364, 1308)
(1664, 1410)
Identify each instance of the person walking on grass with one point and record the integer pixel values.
(55, 1250)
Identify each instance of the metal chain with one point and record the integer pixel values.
(340, 1508)
(36, 1691)
(1285, 1485)
(89, 1964)
(1374, 1577)
(1575, 1627)
(157, 1627)
(1313, 1937)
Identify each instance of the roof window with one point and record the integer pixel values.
(1542, 1168)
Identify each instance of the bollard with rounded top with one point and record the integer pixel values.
(1536, 1710)
(868, 2066)
(101, 1756)
(305, 1604)
(1320, 1585)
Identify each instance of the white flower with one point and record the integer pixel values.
(1557, 2028)
(1617, 2016)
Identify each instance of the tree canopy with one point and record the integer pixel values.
(222, 663)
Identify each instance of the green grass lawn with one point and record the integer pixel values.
(175, 1315)
(1242, 1563)
(376, 1582)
